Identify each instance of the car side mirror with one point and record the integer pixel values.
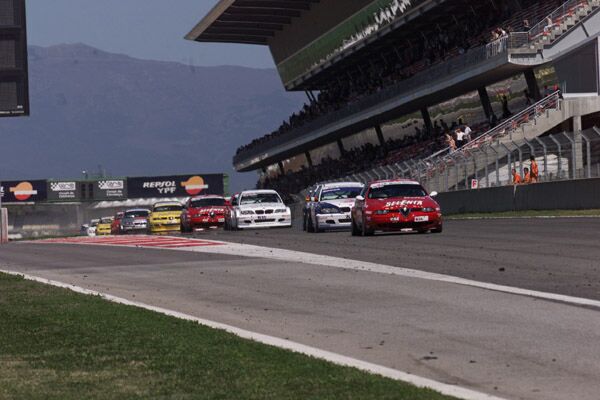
(360, 198)
(433, 194)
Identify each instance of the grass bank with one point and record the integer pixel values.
(57, 344)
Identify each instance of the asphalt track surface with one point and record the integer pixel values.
(504, 344)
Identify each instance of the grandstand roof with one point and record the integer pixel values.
(247, 21)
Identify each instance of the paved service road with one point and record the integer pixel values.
(503, 344)
(550, 255)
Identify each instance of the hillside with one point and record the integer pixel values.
(137, 117)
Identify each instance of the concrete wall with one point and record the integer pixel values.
(559, 195)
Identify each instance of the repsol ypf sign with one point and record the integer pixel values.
(175, 186)
(23, 191)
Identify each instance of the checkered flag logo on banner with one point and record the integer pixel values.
(110, 185)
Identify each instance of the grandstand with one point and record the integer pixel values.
(366, 64)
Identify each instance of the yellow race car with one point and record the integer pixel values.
(165, 217)
(104, 225)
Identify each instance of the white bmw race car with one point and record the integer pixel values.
(331, 205)
(259, 209)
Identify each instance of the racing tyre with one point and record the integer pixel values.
(355, 231)
(365, 231)
(437, 230)
(309, 226)
(317, 229)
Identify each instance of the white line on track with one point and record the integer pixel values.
(339, 359)
(246, 250)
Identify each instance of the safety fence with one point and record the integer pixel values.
(559, 156)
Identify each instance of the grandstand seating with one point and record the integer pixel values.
(416, 152)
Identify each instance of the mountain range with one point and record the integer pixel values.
(92, 110)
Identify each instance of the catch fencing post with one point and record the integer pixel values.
(497, 164)
(573, 155)
(520, 156)
(509, 156)
(545, 155)
(559, 155)
(588, 155)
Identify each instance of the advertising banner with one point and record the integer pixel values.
(110, 189)
(175, 186)
(64, 191)
(23, 191)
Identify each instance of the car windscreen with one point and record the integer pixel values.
(399, 190)
(136, 214)
(257, 198)
(170, 207)
(340, 193)
(207, 202)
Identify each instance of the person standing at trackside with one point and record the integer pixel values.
(516, 178)
(526, 176)
(534, 170)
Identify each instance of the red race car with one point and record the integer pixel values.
(115, 226)
(203, 212)
(395, 205)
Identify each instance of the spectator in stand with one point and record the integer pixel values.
(450, 142)
(526, 27)
(528, 99)
(516, 178)
(549, 25)
(534, 170)
(505, 111)
(460, 135)
(467, 131)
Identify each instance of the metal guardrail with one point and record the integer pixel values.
(566, 9)
(505, 128)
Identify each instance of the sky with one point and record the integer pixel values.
(148, 29)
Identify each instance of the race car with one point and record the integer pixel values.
(259, 209)
(134, 220)
(116, 224)
(89, 229)
(165, 217)
(233, 201)
(331, 205)
(103, 227)
(203, 212)
(395, 205)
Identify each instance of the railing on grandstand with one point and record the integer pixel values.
(566, 10)
(507, 127)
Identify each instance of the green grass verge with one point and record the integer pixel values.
(530, 213)
(57, 344)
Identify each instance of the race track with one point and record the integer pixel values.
(508, 345)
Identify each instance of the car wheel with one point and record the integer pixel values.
(310, 227)
(317, 228)
(355, 231)
(437, 230)
(365, 231)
